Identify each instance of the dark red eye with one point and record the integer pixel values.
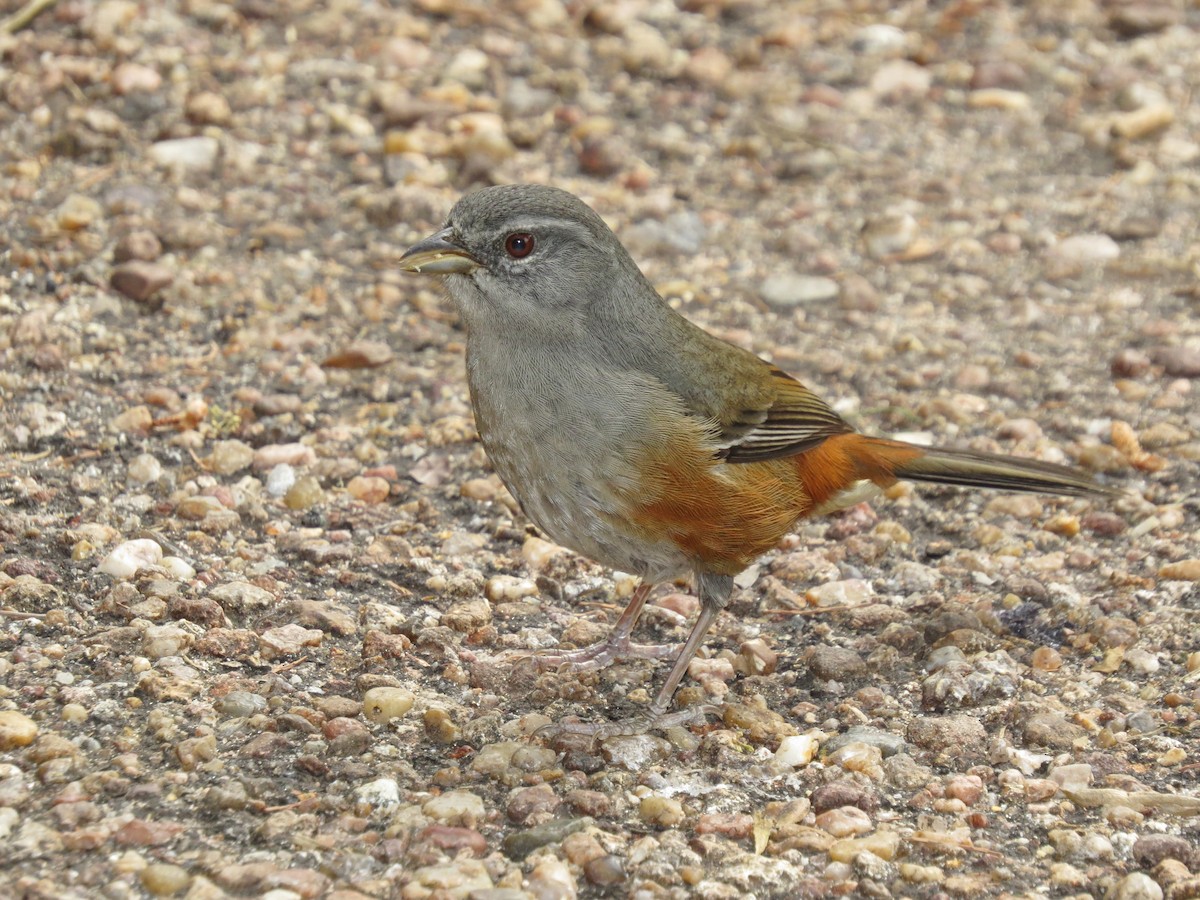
(519, 244)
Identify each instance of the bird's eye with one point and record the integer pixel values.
(519, 244)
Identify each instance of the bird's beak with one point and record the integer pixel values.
(438, 254)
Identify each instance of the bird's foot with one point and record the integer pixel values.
(651, 720)
(593, 657)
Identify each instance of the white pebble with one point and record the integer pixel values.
(455, 808)
(383, 793)
(1136, 886)
(143, 469)
(185, 153)
(1141, 661)
(177, 568)
(796, 750)
(1081, 249)
(126, 559)
(280, 480)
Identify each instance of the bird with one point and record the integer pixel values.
(630, 435)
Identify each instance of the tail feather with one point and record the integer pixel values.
(967, 468)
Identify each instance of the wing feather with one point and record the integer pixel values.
(795, 421)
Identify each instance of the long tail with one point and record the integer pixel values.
(835, 465)
(884, 461)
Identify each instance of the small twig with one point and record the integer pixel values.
(26, 14)
(14, 614)
(288, 666)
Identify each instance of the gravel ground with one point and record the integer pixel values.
(256, 576)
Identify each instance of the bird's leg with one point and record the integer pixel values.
(714, 592)
(616, 646)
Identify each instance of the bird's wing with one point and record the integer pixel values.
(795, 420)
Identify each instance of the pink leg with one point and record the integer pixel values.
(714, 591)
(616, 646)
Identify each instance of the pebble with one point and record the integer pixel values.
(380, 794)
(361, 354)
(162, 641)
(271, 455)
(605, 871)
(963, 734)
(900, 79)
(1141, 661)
(883, 844)
(509, 588)
(520, 844)
(845, 821)
(841, 793)
(1143, 122)
(998, 98)
(196, 509)
(494, 759)
(143, 469)
(861, 758)
(660, 811)
(1019, 506)
(369, 489)
(537, 552)
(132, 78)
(1073, 776)
(288, 640)
(1142, 17)
(459, 880)
(208, 108)
(185, 153)
(785, 290)
(680, 233)
(304, 494)
(851, 592)
(229, 457)
(145, 833)
(915, 873)
(1136, 886)
(1052, 730)
(135, 420)
(140, 280)
(796, 751)
(1079, 252)
(165, 879)
(240, 704)
(280, 479)
(1179, 362)
(967, 788)
(1184, 570)
(1172, 757)
(835, 663)
(878, 38)
(138, 244)
(241, 597)
(456, 808)
(1163, 434)
(635, 752)
(889, 744)
(78, 212)
(1151, 849)
(888, 236)
(551, 879)
(130, 557)
(382, 704)
(16, 730)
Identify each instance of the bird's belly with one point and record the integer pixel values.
(573, 492)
